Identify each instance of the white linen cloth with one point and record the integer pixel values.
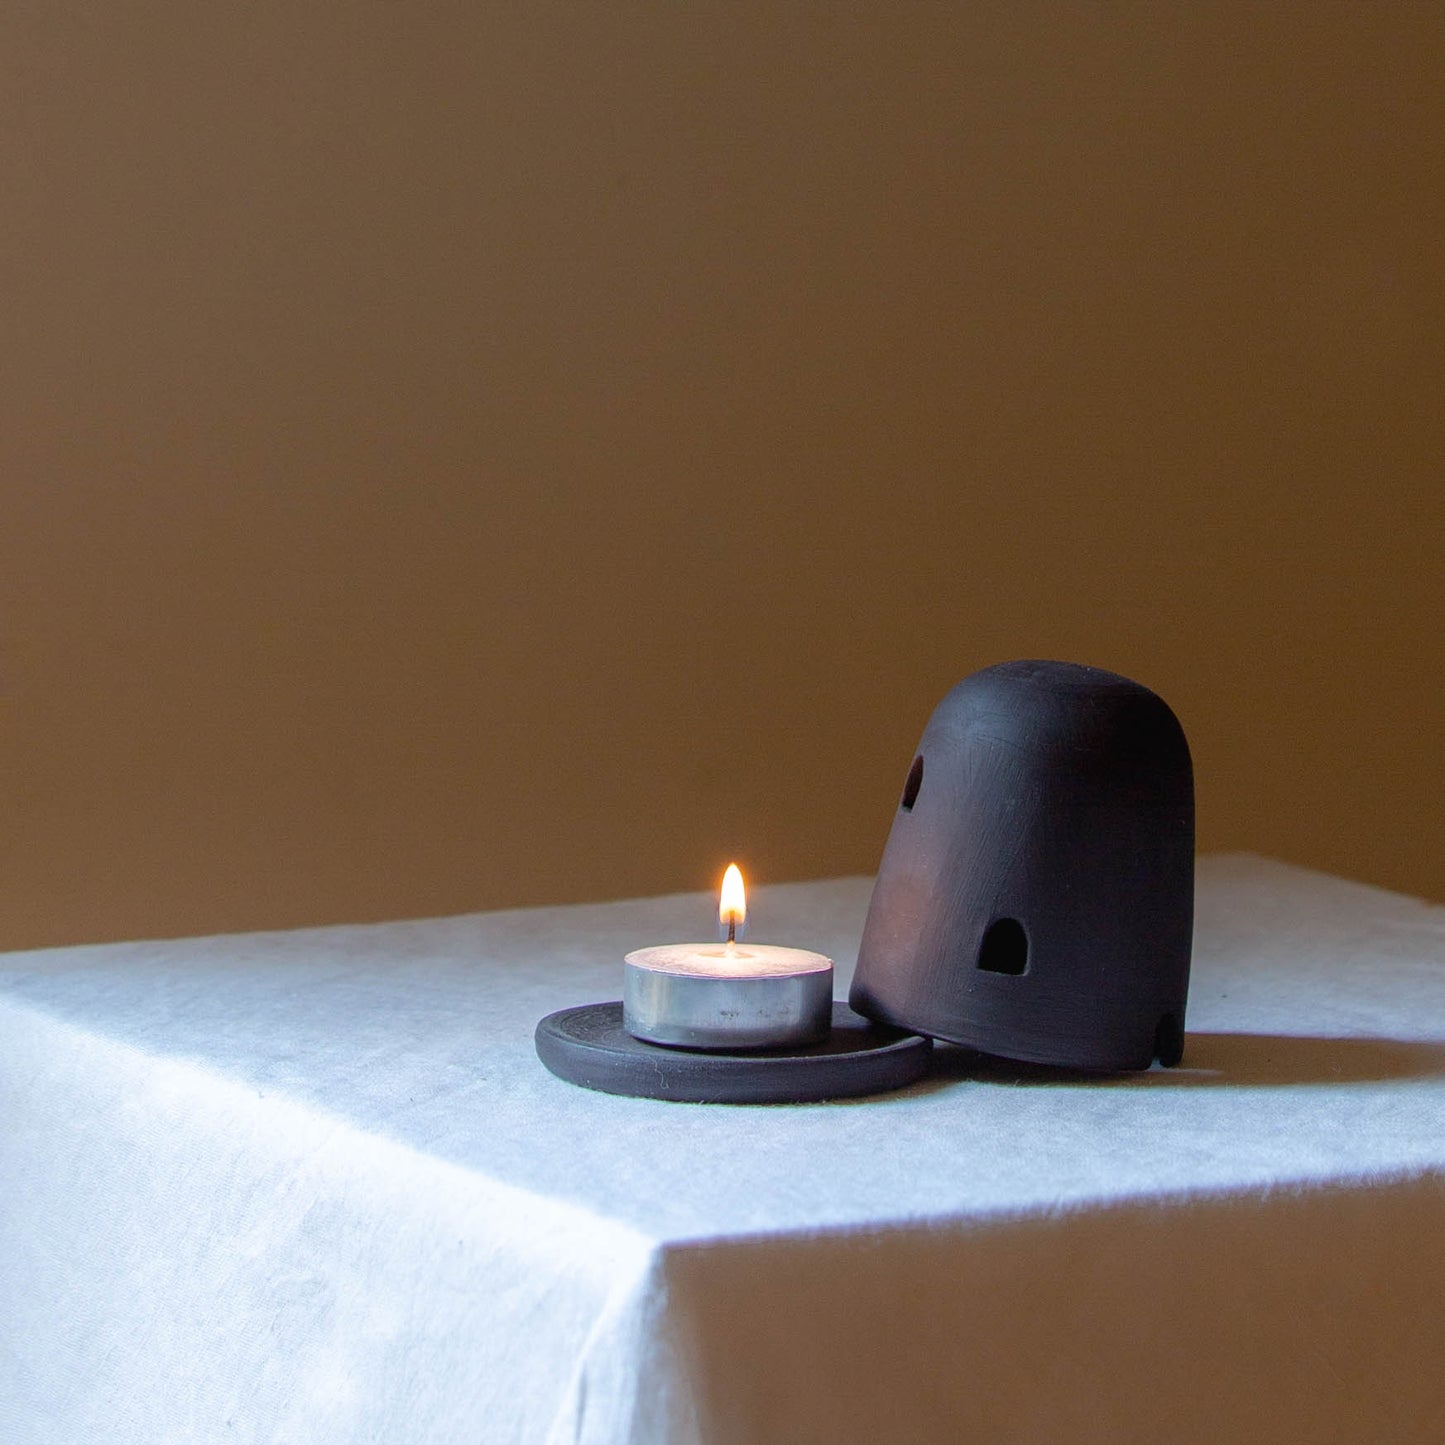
(316, 1187)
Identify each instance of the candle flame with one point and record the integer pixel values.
(732, 908)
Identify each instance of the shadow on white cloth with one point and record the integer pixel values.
(1188, 1320)
(1223, 1060)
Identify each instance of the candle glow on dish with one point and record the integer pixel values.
(727, 995)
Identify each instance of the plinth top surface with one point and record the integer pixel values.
(1316, 1053)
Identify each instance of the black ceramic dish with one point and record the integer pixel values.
(589, 1046)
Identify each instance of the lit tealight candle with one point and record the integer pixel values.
(727, 995)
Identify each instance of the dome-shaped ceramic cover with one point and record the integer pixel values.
(1036, 896)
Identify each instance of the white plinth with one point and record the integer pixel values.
(316, 1186)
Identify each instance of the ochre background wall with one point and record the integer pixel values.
(456, 456)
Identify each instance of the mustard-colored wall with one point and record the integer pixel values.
(455, 456)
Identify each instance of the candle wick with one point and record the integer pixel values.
(732, 931)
